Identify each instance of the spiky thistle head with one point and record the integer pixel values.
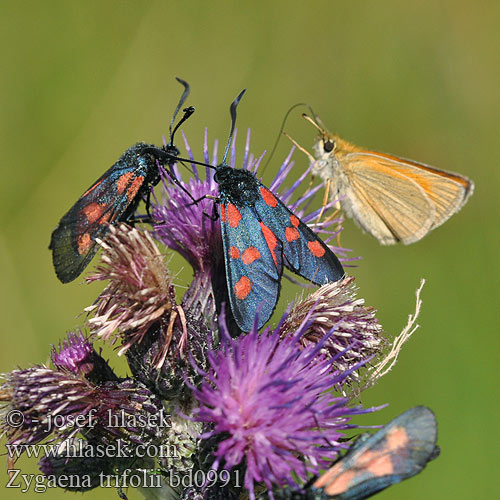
(267, 402)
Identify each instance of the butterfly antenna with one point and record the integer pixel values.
(314, 122)
(232, 110)
(276, 142)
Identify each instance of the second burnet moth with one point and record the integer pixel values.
(113, 198)
(261, 235)
(396, 452)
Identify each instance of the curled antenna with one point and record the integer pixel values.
(232, 110)
(187, 113)
(280, 133)
(184, 96)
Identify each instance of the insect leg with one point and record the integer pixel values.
(325, 199)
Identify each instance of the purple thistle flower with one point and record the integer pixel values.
(354, 334)
(77, 355)
(269, 403)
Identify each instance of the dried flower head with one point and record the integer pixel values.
(140, 292)
(354, 333)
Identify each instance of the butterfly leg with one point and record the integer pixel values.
(333, 215)
(325, 200)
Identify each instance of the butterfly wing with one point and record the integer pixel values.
(447, 191)
(253, 258)
(305, 253)
(113, 197)
(387, 204)
(396, 452)
(400, 200)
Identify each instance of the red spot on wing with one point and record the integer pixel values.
(291, 234)
(134, 187)
(123, 181)
(294, 220)
(380, 463)
(234, 253)
(271, 240)
(397, 437)
(316, 248)
(328, 476)
(223, 213)
(243, 287)
(340, 484)
(90, 189)
(233, 215)
(104, 218)
(94, 211)
(84, 243)
(269, 197)
(250, 255)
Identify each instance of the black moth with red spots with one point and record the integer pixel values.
(261, 235)
(113, 198)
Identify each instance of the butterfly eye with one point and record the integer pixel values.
(328, 146)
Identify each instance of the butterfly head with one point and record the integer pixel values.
(326, 149)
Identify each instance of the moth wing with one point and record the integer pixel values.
(253, 265)
(396, 452)
(73, 242)
(305, 253)
(387, 204)
(448, 191)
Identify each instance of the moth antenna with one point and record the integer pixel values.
(187, 113)
(184, 96)
(232, 111)
(287, 114)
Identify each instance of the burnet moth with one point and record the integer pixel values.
(261, 235)
(113, 198)
(396, 452)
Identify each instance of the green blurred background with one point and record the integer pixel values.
(82, 81)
